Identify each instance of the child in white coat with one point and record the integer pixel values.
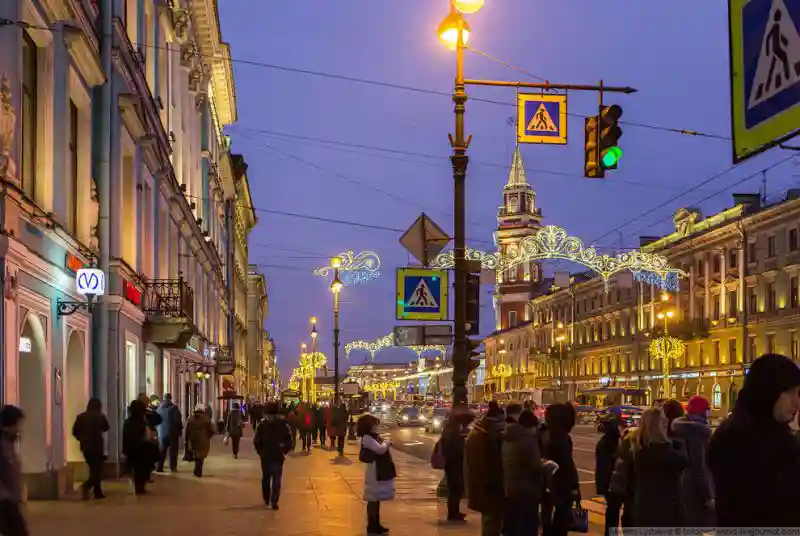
(380, 472)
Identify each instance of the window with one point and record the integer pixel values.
(752, 252)
(700, 268)
(752, 349)
(771, 249)
(793, 244)
(700, 355)
(732, 351)
(715, 307)
(512, 319)
(716, 264)
(165, 374)
(771, 297)
(29, 105)
(717, 360)
(716, 398)
(752, 300)
(770, 343)
(794, 291)
(72, 187)
(733, 258)
(732, 305)
(795, 345)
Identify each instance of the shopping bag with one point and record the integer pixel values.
(579, 521)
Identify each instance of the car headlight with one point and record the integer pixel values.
(385, 407)
(405, 417)
(436, 422)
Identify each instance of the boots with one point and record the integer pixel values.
(374, 519)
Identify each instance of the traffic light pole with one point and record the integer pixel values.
(460, 142)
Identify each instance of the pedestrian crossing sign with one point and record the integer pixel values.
(765, 74)
(421, 294)
(542, 118)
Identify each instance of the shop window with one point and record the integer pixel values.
(716, 397)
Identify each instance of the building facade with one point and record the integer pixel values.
(740, 299)
(111, 156)
(257, 311)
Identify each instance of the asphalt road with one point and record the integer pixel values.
(418, 443)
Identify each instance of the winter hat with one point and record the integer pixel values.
(697, 405)
(199, 407)
(768, 377)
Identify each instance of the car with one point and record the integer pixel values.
(411, 416)
(628, 415)
(436, 420)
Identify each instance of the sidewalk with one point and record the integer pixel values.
(321, 497)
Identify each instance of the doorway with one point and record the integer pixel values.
(33, 397)
(75, 397)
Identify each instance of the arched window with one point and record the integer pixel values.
(716, 397)
(673, 392)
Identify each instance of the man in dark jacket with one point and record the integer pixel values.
(88, 429)
(523, 476)
(454, 433)
(273, 440)
(169, 433)
(564, 488)
(605, 454)
(483, 470)
(694, 434)
(753, 456)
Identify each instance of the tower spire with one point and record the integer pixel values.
(516, 177)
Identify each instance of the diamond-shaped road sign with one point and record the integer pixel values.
(424, 239)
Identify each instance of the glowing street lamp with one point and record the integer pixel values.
(468, 7)
(336, 288)
(450, 28)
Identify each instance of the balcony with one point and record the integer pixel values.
(168, 305)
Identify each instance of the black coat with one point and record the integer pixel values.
(657, 493)
(452, 444)
(557, 446)
(273, 440)
(88, 429)
(605, 454)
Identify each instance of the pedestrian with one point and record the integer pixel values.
(694, 433)
(753, 456)
(319, 418)
(512, 413)
(672, 410)
(12, 520)
(337, 427)
(256, 414)
(564, 491)
(199, 432)
(454, 435)
(523, 476)
(605, 454)
(88, 429)
(379, 474)
(234, 429)
(658, 471)
(272, 441)
(169, 433)
(622, 478)
(305, 417)
(138, 446)
(483, 470)
(291, 418)
(153, 420)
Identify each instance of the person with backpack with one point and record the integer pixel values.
(449, 455)
(380, 472)
(272, 441)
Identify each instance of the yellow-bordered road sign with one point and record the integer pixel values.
(542, 118)
(765, 74)
(421, 294)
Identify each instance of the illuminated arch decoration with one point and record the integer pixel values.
(387, 341)
(355, 269)
(552, 242)
(667, 348)
(502, 371)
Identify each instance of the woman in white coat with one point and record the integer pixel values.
(380, 473)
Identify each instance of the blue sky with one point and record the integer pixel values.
(674, 53)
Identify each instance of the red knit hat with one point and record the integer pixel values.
(697, 406)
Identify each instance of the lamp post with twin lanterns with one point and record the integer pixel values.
(336, 288)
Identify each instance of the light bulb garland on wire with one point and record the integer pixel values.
(355, 269)
(552, 242)
(387, 341)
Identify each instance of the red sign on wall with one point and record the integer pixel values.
(73, 263)
(131, 293)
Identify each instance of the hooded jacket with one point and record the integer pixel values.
(171, 420)
(605, 453)
(698, 487)
(754, 459)
(483, 465)
(522, 463)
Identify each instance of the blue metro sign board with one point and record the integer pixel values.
(421, 294)
(542, 118)
(765, 73)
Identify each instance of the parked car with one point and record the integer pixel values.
(411, 416)
(436, 420)
(586, 414)
(628, 415)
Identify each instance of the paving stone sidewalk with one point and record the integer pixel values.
(321, 497)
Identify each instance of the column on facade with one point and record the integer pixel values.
(706, 287)
(60, 126)
(692, 283)
(723, 290)
(742, 299)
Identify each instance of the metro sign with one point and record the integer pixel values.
(90, 282)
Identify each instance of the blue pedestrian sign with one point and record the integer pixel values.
(542, 118)
(421, 294)
(765, 74)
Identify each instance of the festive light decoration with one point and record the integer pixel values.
(552, 242)
(295, 379)
(387, 341)
(312, 361)
(502, 371)
(355, 269)
(667, 348)
(668, 282)
(382, 386)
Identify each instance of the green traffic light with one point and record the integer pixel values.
(612, 156)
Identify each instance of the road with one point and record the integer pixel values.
(416, 442)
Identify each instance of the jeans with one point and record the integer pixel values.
(94, 461)
(235, 440)
(306, 437)
(169, 444)
(321, 432)
(373, 515)
(198, 466)
(521, 516)
(613, 507)
(271, 477)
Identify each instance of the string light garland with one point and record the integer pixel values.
(552, 242)
(355, 269)
(387, 341)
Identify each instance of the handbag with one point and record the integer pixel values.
(438, 461)
(579, 519)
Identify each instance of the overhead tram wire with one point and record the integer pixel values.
(356, 79)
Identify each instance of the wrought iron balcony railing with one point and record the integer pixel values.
(169, 298)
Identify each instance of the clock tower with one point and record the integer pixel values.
(517, 218)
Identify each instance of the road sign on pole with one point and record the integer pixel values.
(542, 118)
(424, 239)
(421, 294)
(765, 74)
(425, 335)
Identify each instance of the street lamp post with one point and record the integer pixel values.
(314, 355)
(336, 287)
(666, 357)
(560, 338)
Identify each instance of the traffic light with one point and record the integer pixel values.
(591, 166)
(610, 133)
(474, 355)
(473, 303)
